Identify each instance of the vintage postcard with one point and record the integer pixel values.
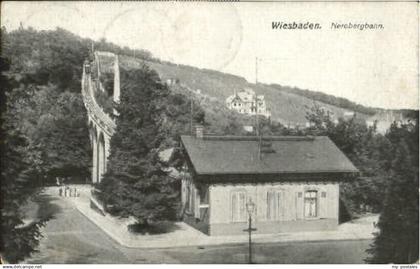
(267, 132)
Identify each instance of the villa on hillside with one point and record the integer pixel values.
(292, 181)
(248, 102)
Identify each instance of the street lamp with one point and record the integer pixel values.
(250, 206)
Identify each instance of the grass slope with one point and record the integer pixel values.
(286, 107)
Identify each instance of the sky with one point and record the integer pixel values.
(376, 68)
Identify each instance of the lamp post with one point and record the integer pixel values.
(250, 206)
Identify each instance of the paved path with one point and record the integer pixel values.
(70, 237)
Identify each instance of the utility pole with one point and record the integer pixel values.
(257, 131)
(250, 240)
(257, 127)
(256, 70)
(259, 148)
(191, 116)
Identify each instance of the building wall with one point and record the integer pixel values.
(291, 216)
(244, 102)
(195, 203)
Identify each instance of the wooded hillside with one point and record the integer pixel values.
(286, 107)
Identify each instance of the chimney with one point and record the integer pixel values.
(199, 131)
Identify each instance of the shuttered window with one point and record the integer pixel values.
(190, 201)
(311, 204)
(299, 205)
(238, 206)
(274, 205)
(196, 204)
(188, 196)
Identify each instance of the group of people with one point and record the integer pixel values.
(65, 190)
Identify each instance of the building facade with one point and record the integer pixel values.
(294, 185)
(248, 102)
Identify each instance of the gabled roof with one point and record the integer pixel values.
(234, 98)
(245, 96)
(230, 155)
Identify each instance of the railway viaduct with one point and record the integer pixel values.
(101, 124)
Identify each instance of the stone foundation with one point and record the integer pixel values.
(274, 227)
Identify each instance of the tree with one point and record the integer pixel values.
(136, 183)
(17, 241)
(49, 109)
(54, 125)
(367, 150)
(398, 238)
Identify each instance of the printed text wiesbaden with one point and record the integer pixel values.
(295, 25)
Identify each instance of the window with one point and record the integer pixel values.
(238, 206)
(274, 205)
(187, 195)
(189, 203)
(311, 210)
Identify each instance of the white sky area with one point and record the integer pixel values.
(372, 67)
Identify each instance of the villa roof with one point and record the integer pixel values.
(233, 98)
(224, 155)
(244, 95)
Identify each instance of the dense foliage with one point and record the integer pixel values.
(44, 130)
(367, 150)
(398, 238)
(44, 57)
(54, 57)
(388, 181)
(47, 69)
(55, 124)
(17, 240)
